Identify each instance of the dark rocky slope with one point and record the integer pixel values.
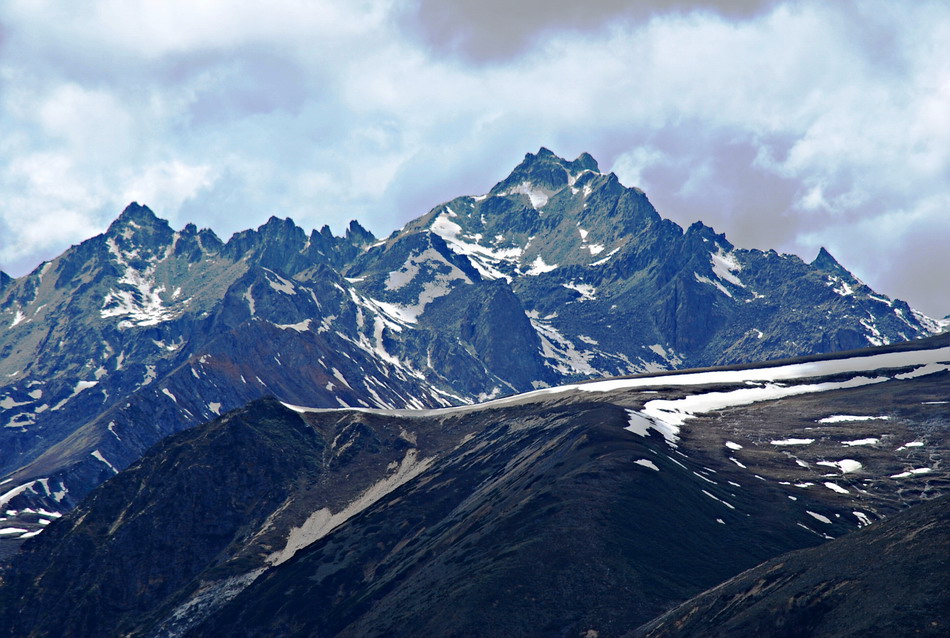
(889, 579)
(151, 530)
(545, 525)
(592, 507)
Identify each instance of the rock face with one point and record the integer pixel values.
(559, 273)
(890, 579)
(588, 507)
(142, 332)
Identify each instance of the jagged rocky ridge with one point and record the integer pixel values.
(141, 332)
(592, 507)
(559, 273)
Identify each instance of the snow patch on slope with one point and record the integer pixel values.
(9, 495)
(137, 300)
(724, 266)
(323, 521)
(845, 465)
(302, 326)
(440, 285)
(561, 353)
(845, 418)
(601, 262)
(586, 291)
(537, 195)
(484, 259)
(98, 456)
(539, 267)
(706, 280)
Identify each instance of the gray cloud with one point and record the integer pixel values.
(715, 176)
(493, 30)
(922, 271)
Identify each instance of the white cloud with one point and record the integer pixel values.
(779, 124)
(167, 185)
(630, 166)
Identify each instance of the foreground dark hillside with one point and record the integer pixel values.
(890, 579)
(588, 507)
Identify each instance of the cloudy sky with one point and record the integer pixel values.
(786, 125)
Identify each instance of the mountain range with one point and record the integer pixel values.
(544, 410)
(558, 274)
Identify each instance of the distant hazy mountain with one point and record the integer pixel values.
(582, 510)
(558, 274)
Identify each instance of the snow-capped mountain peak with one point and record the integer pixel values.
(541, 175)
(479, 298)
